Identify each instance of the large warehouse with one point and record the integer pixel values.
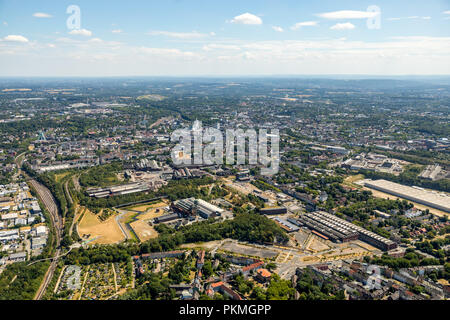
(192, 206)
(434, 200)
(336, 228)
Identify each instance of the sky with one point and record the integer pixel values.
(224, 38)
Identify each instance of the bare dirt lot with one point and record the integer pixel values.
(242, 187)
(249, 250)
(318, 245)
(141, 226)
(106, 232)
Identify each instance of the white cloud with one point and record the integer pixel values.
(78, 43)
(96, 40)
(42, 15)
(446, 12)
(15, 38)
(117, 31)
(81, 32)
(167, 52)
(181, 35)
(92, 57)
(248, 56)
(5, 23)
(304, 24)
(277, 29)
(343, 26)
(214, 46)
(348, 14)
(247, 18)
(408, 18)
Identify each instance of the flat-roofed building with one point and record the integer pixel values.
(286, 225)
(37, 243)
(336, 228)
(9, 216)
(434, 200)
(17, 257)
(431, 172)
(166, 218)
(273, 210)
(192, 207)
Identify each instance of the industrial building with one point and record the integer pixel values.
(37, 243)
(336, 149)
(431, 172)
(243, 175)
(336, 229)
(286, 225)
(434, 200)
(273, 210)
(120, 190)
(166, 218)
(329, 227)
(18, 257)
(192, 207)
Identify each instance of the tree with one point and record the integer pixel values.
(207, 269)
(279, 289)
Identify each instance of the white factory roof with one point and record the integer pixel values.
(438, 200)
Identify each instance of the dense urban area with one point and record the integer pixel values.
(93, 207)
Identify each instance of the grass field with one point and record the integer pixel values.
(59, 176)
(146, 206)
(106, 232)
(350, 181)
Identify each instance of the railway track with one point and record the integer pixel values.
(50, 204)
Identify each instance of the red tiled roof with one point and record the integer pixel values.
(217, 284)
(252, 266)
(264, 273)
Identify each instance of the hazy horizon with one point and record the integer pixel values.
(203, 38)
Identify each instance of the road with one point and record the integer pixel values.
(121, 214)
(54, 257)
(76, 182)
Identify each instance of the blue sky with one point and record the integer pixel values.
(199, 37)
